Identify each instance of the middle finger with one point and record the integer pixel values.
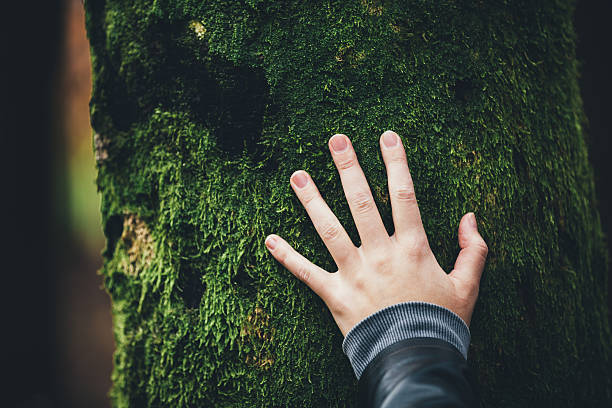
(371, 229)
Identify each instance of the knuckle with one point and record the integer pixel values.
(282, 256)
(379, 261)
(363, 202)
(303, 273)
(416, 244)
(330, 231)
(405, 193)
(347, 162)
(360, 283)
(482, 247)
(399, 158)
(308, 196)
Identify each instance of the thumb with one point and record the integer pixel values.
(473, 254)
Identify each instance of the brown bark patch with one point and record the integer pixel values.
(138, 244)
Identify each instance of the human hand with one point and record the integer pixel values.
(384, 270)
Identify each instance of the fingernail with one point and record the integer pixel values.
(300, 179)
(339, 143)
(473, 221)
(390, 139)
(271, 242)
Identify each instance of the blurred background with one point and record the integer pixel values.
(56, 322)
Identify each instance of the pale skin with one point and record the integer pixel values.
(384, 270)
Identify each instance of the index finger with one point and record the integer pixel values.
(325, 221)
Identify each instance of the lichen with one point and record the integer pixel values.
(256, 336)
(100, 148)
(198, 29)
(137, 242)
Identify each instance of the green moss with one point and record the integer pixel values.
(208, 107)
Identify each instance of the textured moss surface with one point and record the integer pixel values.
(203, 109)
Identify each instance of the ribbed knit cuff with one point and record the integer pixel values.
(399, 322)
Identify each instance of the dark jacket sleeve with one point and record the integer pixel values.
(412, 354)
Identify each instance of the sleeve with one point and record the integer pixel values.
(411, 354)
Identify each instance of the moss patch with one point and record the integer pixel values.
(207, 107)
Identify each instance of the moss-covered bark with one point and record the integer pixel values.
(203, 109)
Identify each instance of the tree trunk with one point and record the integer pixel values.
(203, 109)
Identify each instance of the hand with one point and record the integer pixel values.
(384, 270)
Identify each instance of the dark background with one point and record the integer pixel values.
(55, 326)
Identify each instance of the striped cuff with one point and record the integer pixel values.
(399, 322)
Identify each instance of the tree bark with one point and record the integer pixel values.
(203, 109)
